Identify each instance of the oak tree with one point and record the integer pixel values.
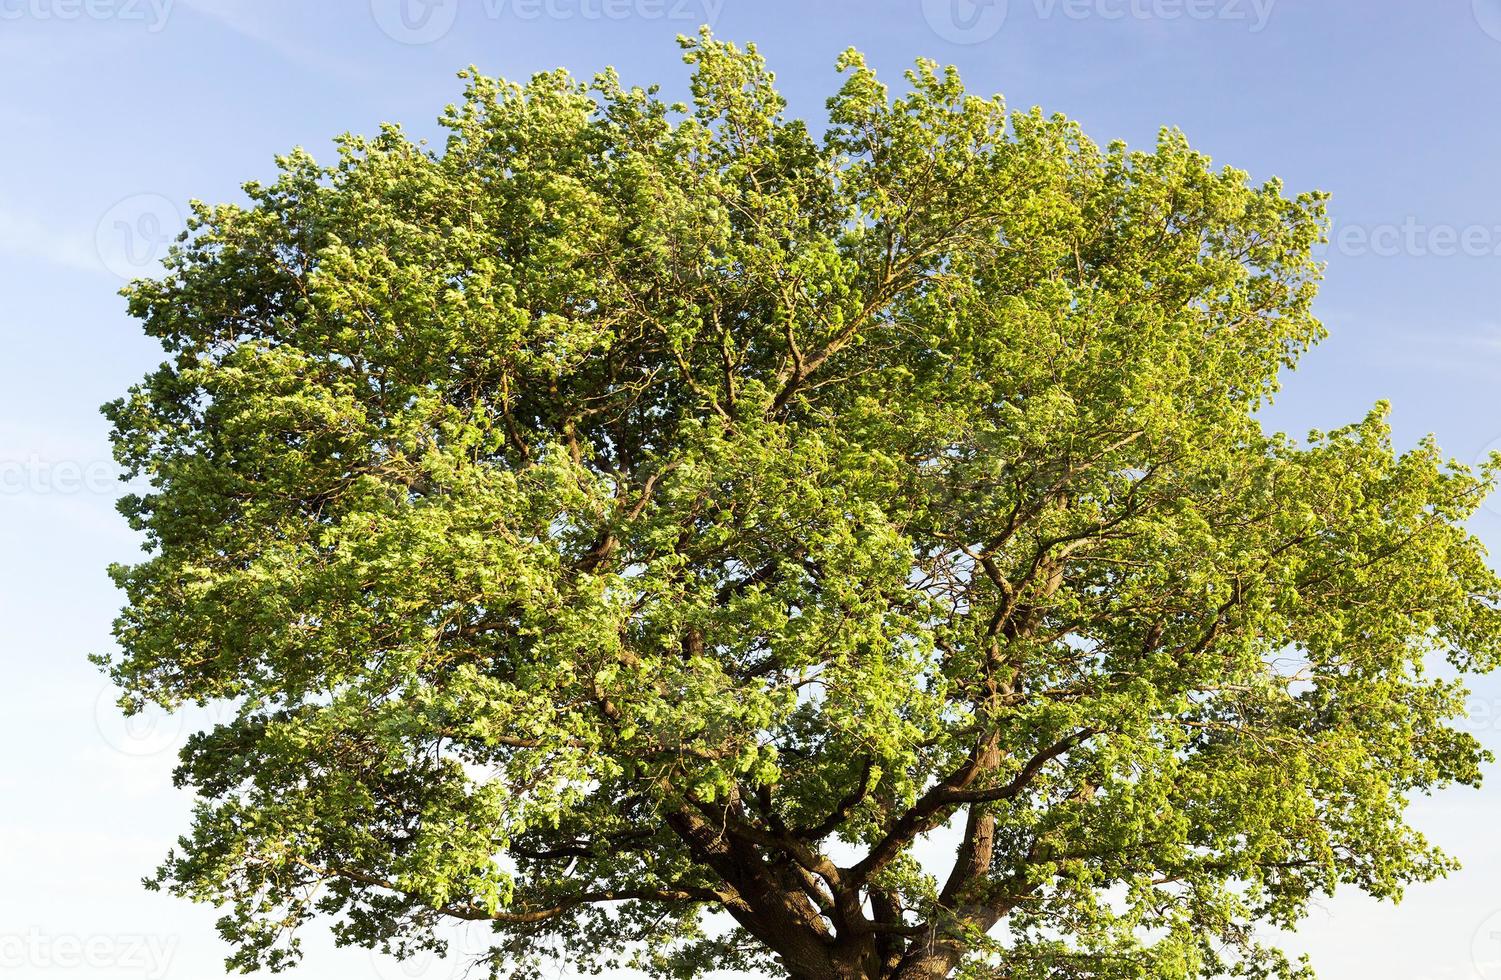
(687, 540)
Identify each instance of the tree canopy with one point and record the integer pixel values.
(690, 540)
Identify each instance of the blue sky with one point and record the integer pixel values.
(116, 112)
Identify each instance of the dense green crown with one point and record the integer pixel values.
(677, 537)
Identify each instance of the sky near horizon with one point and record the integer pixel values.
(117, 112)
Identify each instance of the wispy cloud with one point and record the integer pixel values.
(27, 236)
(1458, 348)
(1486, 338)
(267, 24)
